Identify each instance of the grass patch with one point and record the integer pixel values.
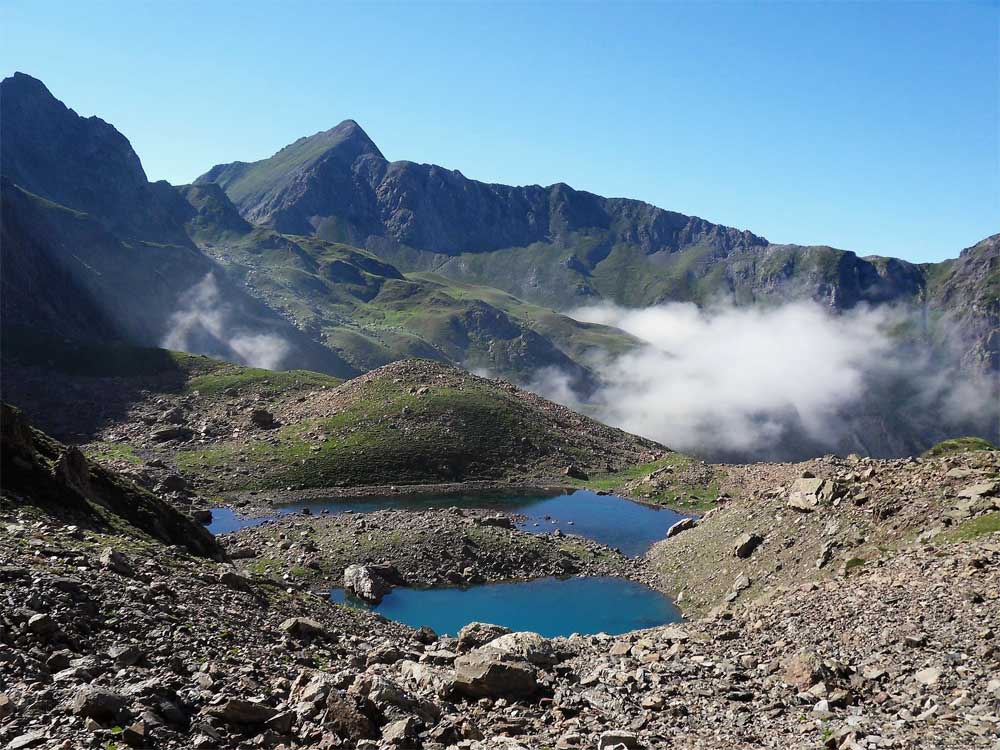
(675, 494)
(105, 452)
(387, 434)
(958, 445)
(988, 523)
(239, 378)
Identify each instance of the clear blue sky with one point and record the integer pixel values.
(872, 127)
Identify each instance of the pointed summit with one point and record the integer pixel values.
(349, 138)
(343, 144)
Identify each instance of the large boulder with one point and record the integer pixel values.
(366, 583)
(525, 646)
(97, 703)
(303, 627)
(345, 719)
(477, 634)
(745, 544)
(241, 712)
(683, 525)
(263, 418)
(487, 674)
(392, 700)
(807, 493)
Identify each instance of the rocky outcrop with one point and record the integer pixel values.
(38, 470)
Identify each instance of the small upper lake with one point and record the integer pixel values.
(548, 606)
(610, 520)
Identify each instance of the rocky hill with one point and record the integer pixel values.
(59, 481)
(220, 427)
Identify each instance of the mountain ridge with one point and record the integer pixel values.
(565, 248)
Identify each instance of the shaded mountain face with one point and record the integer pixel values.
(92, 250)
(967, 292)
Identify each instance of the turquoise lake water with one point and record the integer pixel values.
(549, 606)
(611, 520)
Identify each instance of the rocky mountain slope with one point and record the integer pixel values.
(371, 314)
(560, 246)
(92, 249)
(150, 264)
(84, 230)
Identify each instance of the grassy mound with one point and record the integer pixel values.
(958, 445)
(412, 422)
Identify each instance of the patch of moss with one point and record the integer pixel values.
(239, 378)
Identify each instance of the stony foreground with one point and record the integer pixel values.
(840, 604)
(152, 647)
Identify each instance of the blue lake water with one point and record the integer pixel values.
(611, 520)
(549, 606)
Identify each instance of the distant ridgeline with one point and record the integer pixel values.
(328, 257)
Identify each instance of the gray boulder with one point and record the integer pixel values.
(364, 582)
(808, 493)
(243, 712)
(525, 646)
(745, 544)
(486, 674)
(477, 634)
(97, 703)
(683, 525)
(303, 627)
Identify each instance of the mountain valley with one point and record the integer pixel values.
(248, 420)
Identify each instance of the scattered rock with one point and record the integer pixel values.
(477, 634)
(746, 543)
(263, 418)
(238, 712)
(114, 560)
(303, 627)
(97, 703)
(683, 525)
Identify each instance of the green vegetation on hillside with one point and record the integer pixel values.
(386, 433)
(958, 445)
(683, 483)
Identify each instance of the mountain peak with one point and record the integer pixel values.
(350, 137)
(25, 83)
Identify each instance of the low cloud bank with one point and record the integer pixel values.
(782, 382)
(204, 324)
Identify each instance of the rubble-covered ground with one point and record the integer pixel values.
(833, 604)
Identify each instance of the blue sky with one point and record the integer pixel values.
(867, 126)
